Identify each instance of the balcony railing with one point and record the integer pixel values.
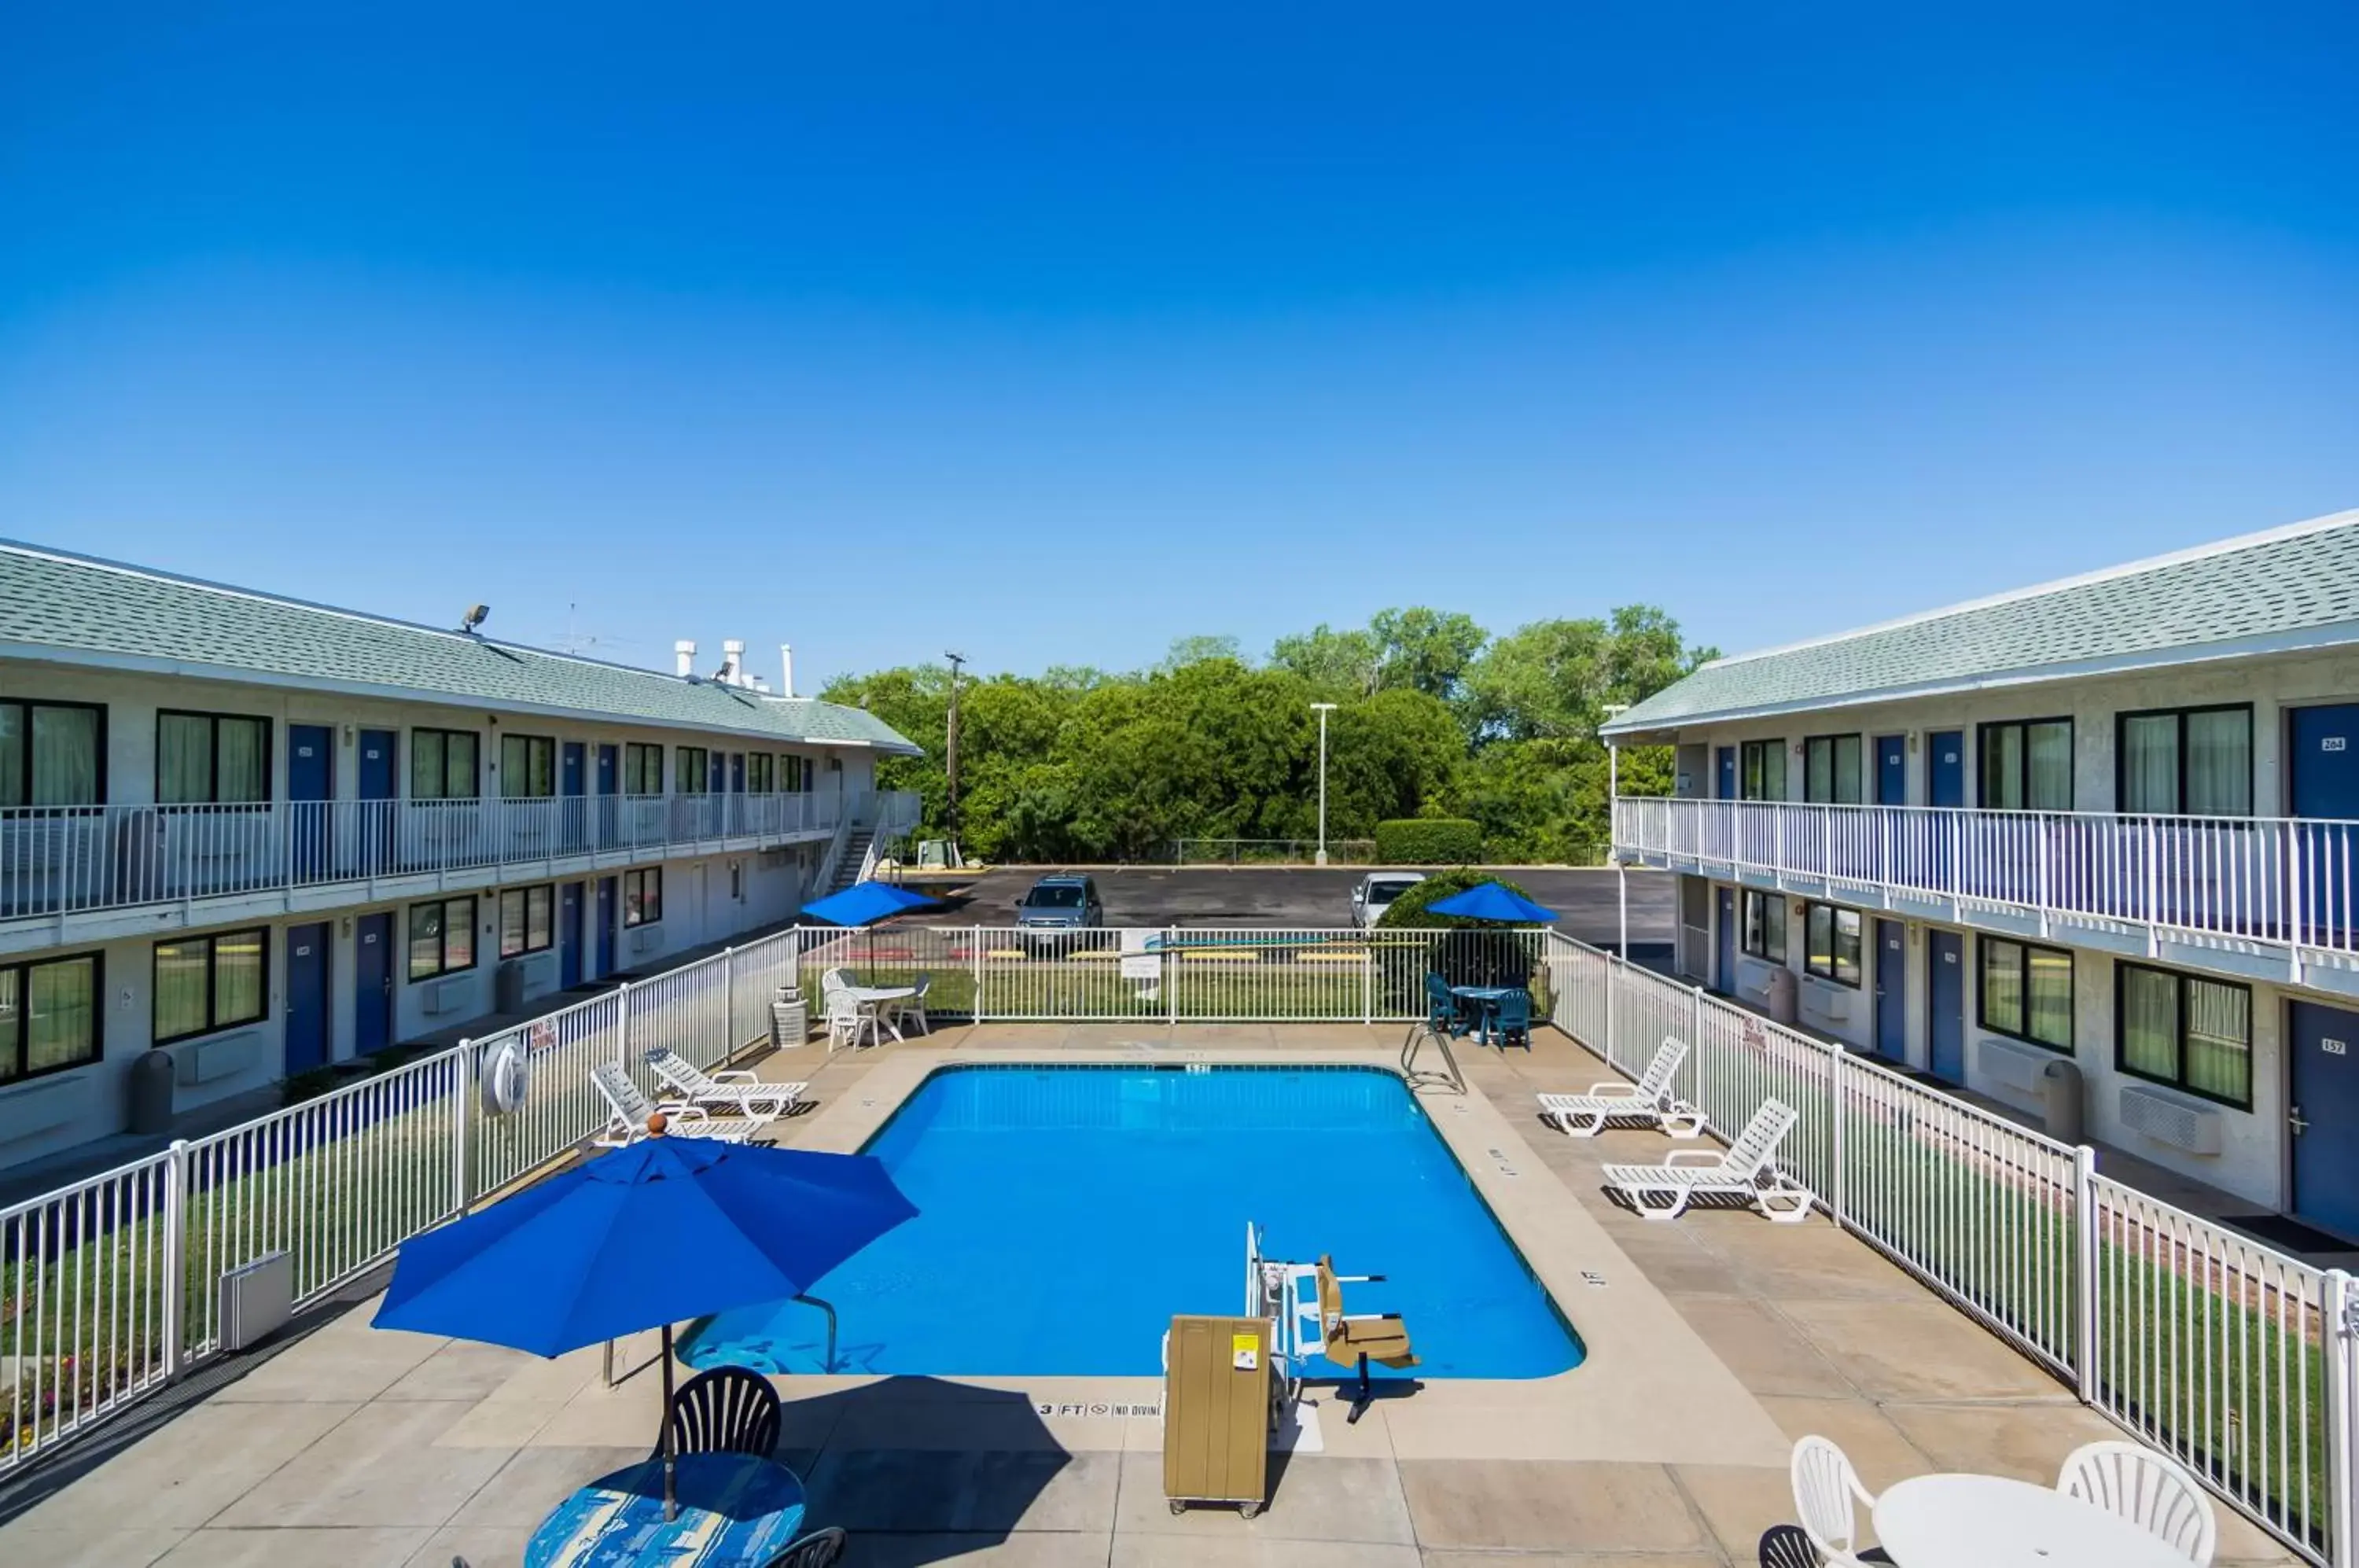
(63, 860)
(2284, 881)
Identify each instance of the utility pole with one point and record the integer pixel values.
(1322, 710)
(950, 746)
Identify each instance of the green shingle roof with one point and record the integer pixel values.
(2291, 587)
(63, 607)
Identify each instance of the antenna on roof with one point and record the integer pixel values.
(475, 616)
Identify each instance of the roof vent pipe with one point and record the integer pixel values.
(733, 662)
(684, 652)
(786, 669)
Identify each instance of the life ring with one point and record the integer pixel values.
(506, 1076)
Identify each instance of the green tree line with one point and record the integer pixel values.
(1434, 717)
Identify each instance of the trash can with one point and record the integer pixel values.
(2059, 1093)
(1782, 995)
(151, 1092)
(507, 989)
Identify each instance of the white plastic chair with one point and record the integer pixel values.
(848, 1018)
(1745, 1168)
(1825, 1487)
(2151, 1491)
(913, 1006)
(731, 1089)
(1649, 1099)
(628, 1110)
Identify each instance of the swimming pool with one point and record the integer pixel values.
(1065, 1213)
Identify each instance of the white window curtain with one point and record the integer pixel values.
(2150, 1023)
(2048, 784)
(2220, 764)
(184, 758)
(2150, 764)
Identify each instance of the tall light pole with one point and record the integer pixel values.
(950, 749)
(1322, 710)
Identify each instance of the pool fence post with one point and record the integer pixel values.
(2337, 1329)
(975, 1008)
(2085, 1275)
(175, 1255)
(1367, 979)
(1835, 1131)
(729, 1041)
(1171, 976)
(464, 1065)
(623, 1028)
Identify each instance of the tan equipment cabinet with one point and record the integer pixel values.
(1216, 1412)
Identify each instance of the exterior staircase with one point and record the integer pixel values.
(855, 858)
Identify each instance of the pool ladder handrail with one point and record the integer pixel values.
(1417, 1077)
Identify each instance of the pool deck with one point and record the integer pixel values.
(1713, 1342)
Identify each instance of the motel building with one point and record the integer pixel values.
(260, 836)
(2111, 822)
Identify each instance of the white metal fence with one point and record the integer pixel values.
(1175, 975)
(2279, 881)
(62, 859)
(2234, 1358)
(109, 1286)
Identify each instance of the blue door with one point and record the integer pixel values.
(1892, 770)
(1945, 989)
(310, 785)
(377, 781)
(372, 983)
(2324, 745)
(606, 917)
(736, 773)
(573, 782)
(1946, 768)
(1724, 762)
(1892, 990)
(2323, 1115)
(609, 777)
(1725, 976)
(569, 934)
(307, 998)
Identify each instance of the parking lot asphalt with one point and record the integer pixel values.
(1310, 897)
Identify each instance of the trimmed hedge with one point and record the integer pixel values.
(1429, 841)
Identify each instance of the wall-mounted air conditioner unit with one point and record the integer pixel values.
(2178, 1121)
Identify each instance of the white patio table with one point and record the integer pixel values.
(880, 998)
(1988, 1522)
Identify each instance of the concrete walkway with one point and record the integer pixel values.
(357, 1448)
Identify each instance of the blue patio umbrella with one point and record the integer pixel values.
(642, 1237)
(1492, 901)
(866, 903)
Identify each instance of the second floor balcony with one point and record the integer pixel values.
(2275, 897)
(62, 863)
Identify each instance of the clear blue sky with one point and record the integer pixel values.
(1054, 333)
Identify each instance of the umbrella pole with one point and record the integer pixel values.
(671, 1454)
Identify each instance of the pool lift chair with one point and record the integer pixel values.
(1305, 1301)
(1442, 1023)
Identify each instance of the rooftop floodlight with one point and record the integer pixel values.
(475, 617)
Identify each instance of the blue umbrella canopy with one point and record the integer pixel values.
(1491, 902)
(866, 903)
(665, 1230)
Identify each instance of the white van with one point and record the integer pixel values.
(1376, 890)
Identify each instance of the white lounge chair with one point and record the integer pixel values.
(1825, 1487)
(629, 1111)
(731, 1089)
(1745, 1168)
(1649, 1099)
(2149, 1490)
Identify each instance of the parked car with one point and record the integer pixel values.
(1377, 891)
(1057, 905)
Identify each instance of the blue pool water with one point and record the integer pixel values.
(1065, 1213)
